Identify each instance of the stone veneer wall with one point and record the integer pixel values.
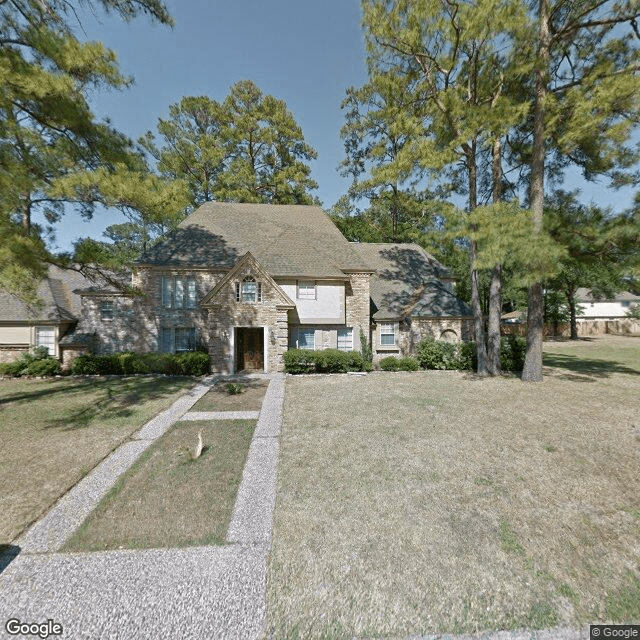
(12, 352)
(358, 306)
(138, 320)
(408, 336)
(225, 313)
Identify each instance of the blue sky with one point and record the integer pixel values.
(306, 53)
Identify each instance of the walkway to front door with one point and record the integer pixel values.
(249, 349)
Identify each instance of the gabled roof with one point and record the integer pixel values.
(408, 283)
(247, 262)
(287, 240)
(57, 292)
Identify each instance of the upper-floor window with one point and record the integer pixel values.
(249, 290)
(306, 290)
(106, 310)
(178, 293)
(388, 333)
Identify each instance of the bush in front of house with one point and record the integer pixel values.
(194, 363)
(391, 363)
(436, 354)
(32, 363)
(190, 363)
(299, 361)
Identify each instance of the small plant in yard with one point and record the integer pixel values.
(235, 388)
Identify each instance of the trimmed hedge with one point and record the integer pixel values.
(33, 363)
(190, 363)
(325, 361)
(391, 363)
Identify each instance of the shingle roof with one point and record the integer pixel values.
(287, 240)
(57, 291)
(585, 295)
(408, 282)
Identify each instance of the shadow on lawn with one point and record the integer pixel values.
(117, 402)
(119, 395)
(589, 368)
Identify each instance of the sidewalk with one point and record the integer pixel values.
(193, 592)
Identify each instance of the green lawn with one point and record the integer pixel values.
(168, 499)
(434, 502)
(54, 431)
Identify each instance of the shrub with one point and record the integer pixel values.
(390, 363)
(467, 356)
(513, 350)
(435, 354)
(325, 361)
(84, 365)
(191, 363)
(32, 363)
(194, 363)
(408, 364)
(44, 367)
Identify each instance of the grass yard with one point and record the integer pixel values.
(167, 499)
(433, 502)
(219, 399)
(53, 432)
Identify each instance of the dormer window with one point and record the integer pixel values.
(249, 290)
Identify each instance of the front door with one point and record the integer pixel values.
(250, 349)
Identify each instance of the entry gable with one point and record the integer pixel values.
(244, 270)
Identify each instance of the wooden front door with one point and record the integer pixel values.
(250, 349)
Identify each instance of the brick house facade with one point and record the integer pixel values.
(246, 282)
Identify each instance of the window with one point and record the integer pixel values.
(106, 310)
(176, 340)
(306, 290)
(306, 339)
(248, 290)
(345, 339)
(178, 293)
(388, 334)
(46, 337)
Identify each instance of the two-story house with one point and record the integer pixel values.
(249, 281)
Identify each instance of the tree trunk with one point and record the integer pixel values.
(478, 317)
(532, 371)
(572, 313)
(495, 289)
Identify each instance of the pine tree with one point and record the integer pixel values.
(47, 130)
(247, 148)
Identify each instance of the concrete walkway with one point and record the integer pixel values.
(195, 592)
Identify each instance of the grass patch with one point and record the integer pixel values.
(167, 499)
(53, 432)
(508, 540)
(220, 399)
(367, 542)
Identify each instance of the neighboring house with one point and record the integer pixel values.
(246, 282)
(604, 308)
(23, 328)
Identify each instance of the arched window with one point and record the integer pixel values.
(249, 290)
